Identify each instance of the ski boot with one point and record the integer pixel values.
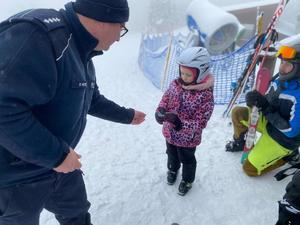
(184, 187)
(236, 145)
(171, 177)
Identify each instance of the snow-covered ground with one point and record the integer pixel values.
(125, 165)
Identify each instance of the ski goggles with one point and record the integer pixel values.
(286, 52)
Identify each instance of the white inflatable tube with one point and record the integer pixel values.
(217, 28)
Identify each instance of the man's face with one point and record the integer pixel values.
(105, 33)
(108, 34)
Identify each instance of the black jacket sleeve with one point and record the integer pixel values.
(272, 111)
(277, 120)
(106, 109)
(28, 78)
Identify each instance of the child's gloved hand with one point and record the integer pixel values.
(160, 115)
(174, 119)
(254, 98)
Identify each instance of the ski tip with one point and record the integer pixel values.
(174, 224)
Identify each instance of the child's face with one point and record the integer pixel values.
(187, 75)
(285, 67)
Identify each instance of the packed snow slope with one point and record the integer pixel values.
(125, 165)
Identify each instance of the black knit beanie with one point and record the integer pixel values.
(110, 11)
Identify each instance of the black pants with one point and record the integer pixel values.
(186, 156)
(62, 194)
(287, 218)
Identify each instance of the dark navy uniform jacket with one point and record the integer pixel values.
(47, 88)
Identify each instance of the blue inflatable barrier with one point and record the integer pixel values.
(157, 60)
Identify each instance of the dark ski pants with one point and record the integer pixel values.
(287, 218)
(186, 156)
(62, 194)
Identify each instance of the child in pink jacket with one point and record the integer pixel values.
(184, 111)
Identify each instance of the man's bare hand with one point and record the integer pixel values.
(138, 118)
(70, 163)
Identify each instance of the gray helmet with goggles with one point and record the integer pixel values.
(290, 54)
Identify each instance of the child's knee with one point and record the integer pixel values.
(240, 111)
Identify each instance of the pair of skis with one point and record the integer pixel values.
(263, 41)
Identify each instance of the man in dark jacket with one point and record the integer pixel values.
(279, 121)
(289, 207)
(47, 88)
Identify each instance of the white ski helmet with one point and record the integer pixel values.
(196, 57)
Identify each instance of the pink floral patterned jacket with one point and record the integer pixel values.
(193, 107)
